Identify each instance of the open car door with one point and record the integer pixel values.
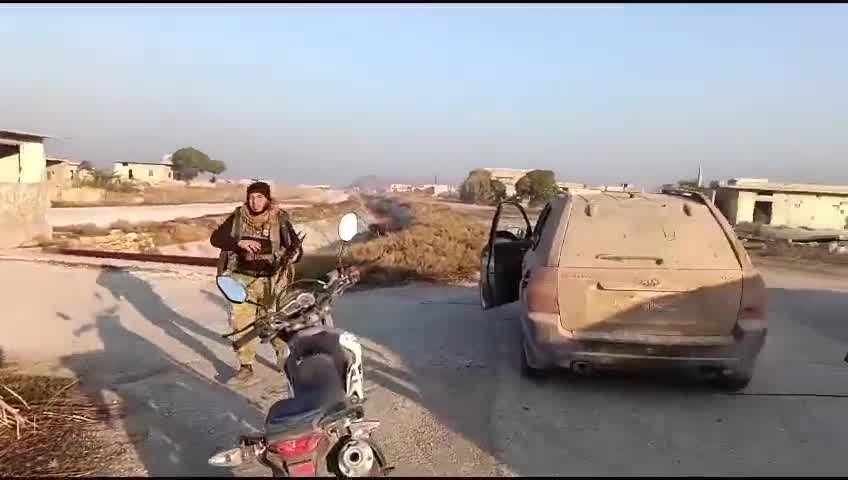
(501, 258)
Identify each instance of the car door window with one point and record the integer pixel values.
(540, 225)
(512, 224)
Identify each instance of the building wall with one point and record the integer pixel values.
(33, 163)
(62, 173)
(508, 176)
(814, 211)
(9, 162)
(23, 213)
(727, 202)
(143, 172)
(745, 202)
(793, 210)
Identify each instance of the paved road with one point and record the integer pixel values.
(443, 377)
(105, 216)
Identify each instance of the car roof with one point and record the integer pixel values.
(615, 199)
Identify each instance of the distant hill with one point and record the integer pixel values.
(371, 182)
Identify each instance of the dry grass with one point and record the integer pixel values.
(185, 230)
(84, 230)
(439, 245)
(324, 211)
(802, 253)
(59, 435)
(179, 194)
(410, 242)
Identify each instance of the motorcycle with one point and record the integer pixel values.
(322, 424)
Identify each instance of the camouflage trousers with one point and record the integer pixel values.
(258, 290)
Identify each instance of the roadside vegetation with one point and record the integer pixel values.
(147, 237)
(535, 188)
(413, 242)
(49, 428)
(119, 194)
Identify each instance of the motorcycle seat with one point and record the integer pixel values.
(316, 388)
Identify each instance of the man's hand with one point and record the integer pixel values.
(251, 246)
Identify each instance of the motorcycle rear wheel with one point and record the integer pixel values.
(333, 460)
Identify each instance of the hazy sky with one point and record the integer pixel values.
(323, 94)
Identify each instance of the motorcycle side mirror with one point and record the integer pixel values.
(232, 289)
(348, 227)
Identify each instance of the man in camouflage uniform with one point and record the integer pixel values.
(258, 246)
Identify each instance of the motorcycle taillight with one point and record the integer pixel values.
(295, 447)
(303, 469)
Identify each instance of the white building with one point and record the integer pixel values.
(438, 189)
(150, 172)
(400, 187)
(508, 177)
(24, 195)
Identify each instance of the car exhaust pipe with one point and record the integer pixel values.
(581, 368)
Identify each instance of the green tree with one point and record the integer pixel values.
(523, 188)
(542, 186)
(216, 167)
(189, 162)
(477, 187)
(498, 190)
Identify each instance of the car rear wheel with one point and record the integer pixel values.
(483, 304)
(526, 369)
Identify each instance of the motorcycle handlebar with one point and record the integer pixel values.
(340, 279)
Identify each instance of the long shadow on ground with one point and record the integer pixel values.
(125, 285)
(175, 417)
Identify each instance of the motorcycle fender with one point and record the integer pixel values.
(355, 380)
(378, 453)
(362, 430)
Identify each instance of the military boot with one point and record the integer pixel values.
(243, 377)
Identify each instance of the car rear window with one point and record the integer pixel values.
(657, 232)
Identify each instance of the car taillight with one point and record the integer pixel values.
(752, 311)
(295, 447)
(540, 285)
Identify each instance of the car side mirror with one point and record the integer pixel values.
(232, 289)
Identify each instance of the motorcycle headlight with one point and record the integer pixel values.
(305, 300)
(302, 301)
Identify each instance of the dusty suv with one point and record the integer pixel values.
(628, 280)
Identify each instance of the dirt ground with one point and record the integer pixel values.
(442, 376)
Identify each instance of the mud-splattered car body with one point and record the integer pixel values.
(627, 279)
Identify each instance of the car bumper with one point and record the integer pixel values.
(548, 345)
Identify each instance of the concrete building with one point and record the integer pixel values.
(24, 195)
(400, 187)
(149, 172)
(438, 189)
(61, 171)
(794, 205)
(22, 158)
(508, 176)
(567, 186)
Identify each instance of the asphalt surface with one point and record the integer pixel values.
(443, 377)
